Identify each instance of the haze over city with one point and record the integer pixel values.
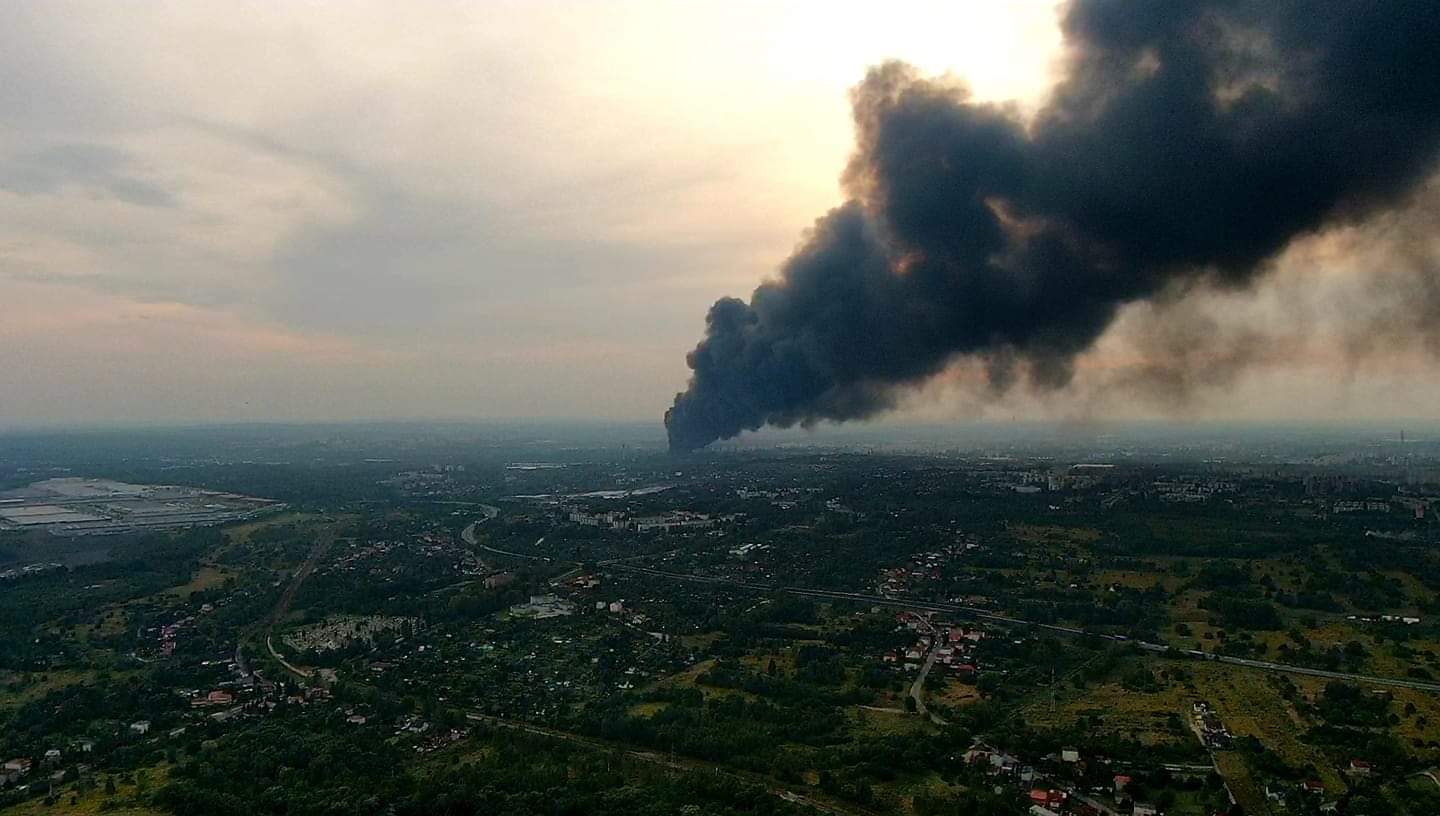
(438, 210)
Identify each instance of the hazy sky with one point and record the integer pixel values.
(222, 211)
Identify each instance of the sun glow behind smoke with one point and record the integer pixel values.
(1002, 51)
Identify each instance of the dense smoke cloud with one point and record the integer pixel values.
(1187, 145)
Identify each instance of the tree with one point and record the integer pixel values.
(988, 684)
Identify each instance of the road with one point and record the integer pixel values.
(1396, 682)
(295, 670)
(772, 787)
(917, 689)
(986, 615)
(468, 535)
(282, 607)
(1193, 722)
(982, 614)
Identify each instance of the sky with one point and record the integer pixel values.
(314, 211)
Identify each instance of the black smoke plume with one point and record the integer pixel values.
(1187, 143)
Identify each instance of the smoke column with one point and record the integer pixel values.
(1187, 142)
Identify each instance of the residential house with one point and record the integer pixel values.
(1052, 799)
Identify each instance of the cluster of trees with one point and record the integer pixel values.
(1139, 611)
(1237, 612)
(1344, 704)
(306, 766)
(725, 728)
(818, 665)
(140, 565)
(814, 682)
(981, 802)
(1209, 530)
(99, 713)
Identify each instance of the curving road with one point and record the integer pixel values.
(291, 667)
(468, 535)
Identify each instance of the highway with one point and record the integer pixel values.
(981, 614)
